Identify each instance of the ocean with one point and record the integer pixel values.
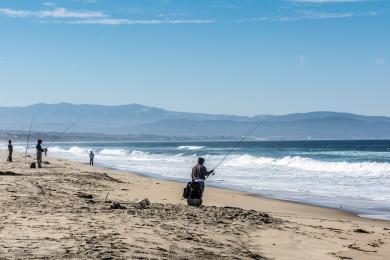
(350, 175)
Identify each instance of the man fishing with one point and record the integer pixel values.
(200, 173)
(40, 150)
(10, 151)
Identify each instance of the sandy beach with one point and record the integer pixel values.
(74, 211)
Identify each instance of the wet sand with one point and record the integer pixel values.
(74, 211)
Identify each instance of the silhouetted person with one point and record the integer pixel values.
(40, 150)
(10, 151)
(91, 157)
(200, 173)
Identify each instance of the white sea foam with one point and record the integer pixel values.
(190, 147)
(114, 152)
(311, 165)
(248, 161)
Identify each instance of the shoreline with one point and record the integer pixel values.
(256, 195)
(246, 193)
(43, 216)
(293, 203)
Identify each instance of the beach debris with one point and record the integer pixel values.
(363, 231)
(84, 195)
(210, 215)
(356, 247)
(105, 199)
(33, 165)
(117, 205)
(143, 204)
(9, 173)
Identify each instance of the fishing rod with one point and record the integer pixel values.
(28, 139)
(238, 143)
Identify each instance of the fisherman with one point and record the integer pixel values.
(200, 173)
(91, 157)
(10, 151)
(40, 150)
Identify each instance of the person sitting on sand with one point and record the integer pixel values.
(40, 150)
(200, 173)
(10, 151)
(91, 157)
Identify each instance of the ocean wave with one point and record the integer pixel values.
(74, 150)
(310, 165)
(245, 161)
(190, 147)
(115, 152)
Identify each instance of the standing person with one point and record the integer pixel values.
(10, 151)
(91, 157)
(40, 150)
(200, 173)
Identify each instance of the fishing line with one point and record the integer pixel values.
(66, 130)
(238, 143)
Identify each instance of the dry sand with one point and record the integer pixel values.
(43, 216)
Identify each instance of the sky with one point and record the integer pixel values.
(242, 57)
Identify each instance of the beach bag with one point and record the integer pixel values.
(193, 194)
(186, 191)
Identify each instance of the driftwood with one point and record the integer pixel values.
(84, 195)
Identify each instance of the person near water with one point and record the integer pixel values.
(200, 173)
(91, 157)
(10, 151)
(40, 150)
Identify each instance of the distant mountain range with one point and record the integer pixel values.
(139, 120)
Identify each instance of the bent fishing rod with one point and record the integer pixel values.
(237, 144)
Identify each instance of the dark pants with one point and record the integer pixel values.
(201, 183)
(91, 161)
(9, 159)
(39, 160)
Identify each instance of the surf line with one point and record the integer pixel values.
(237, 144)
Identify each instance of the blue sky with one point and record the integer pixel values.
(218, 56)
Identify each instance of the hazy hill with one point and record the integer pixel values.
(136, 119)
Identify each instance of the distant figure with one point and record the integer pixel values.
(45, 151)
(91, 156)
(200, 173)
(40, 150)
(10, 151)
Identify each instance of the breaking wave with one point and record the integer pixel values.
(114, 152)
(311, 165)
(245, 161)
(190, 147)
